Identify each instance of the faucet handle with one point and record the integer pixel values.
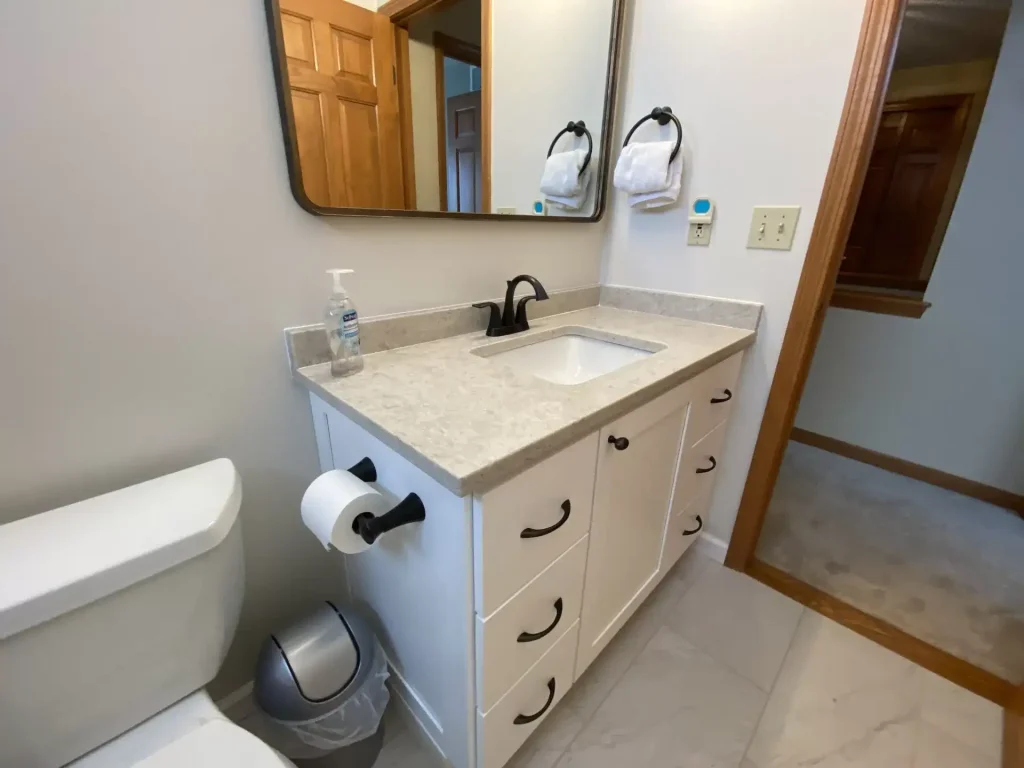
(494, 320)
(521, 322)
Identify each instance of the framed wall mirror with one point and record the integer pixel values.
(447, 108)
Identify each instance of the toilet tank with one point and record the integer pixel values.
(113, 609)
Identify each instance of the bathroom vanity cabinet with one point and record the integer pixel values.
(493, 607)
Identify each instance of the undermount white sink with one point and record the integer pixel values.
(571, 357)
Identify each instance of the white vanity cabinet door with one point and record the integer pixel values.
(632, 495)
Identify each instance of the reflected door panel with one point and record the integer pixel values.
(340, 60)
(464, 166)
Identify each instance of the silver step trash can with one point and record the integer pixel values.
(322, 681)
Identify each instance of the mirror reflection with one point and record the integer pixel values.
(446, 106)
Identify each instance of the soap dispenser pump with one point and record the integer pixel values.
(342, 323)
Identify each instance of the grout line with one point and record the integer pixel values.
(642, 648)
(775, 681)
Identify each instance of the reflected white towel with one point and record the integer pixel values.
(643, 167)
(574, 202)
(562, 173)
(667, 196)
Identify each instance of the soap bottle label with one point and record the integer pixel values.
(350, 332)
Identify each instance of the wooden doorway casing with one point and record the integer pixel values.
(840, 196)
(451, 48)
(1013, 732)
(401, 12)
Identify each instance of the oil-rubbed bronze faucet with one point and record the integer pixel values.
(502, 323)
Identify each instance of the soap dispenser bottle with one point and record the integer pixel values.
(342, 323)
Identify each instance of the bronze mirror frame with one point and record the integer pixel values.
(416, 7)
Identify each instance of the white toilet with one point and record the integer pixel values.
(114, 613)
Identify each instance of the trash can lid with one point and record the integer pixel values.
(313, 666)
(216, 744)
(321, 653)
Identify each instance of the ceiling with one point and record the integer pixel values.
(951, 31)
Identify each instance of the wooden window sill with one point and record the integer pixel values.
(879, 302)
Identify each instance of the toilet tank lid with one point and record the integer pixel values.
(57, 561)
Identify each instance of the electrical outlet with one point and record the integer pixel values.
(773, 227)
(510, 211)
(700, 234)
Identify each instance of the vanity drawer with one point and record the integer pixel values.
(545, 608)
(700, 467)
(683, 530)
(714, 393)
(525, 524)
(503, 729)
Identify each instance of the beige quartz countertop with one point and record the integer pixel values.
(471, 423)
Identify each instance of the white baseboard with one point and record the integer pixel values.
(712, 547)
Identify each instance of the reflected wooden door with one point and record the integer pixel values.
(912, 163)
(341, 71)
(464, 162)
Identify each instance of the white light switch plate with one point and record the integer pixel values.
(773, 227)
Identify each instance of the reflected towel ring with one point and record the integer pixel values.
(662, 115)
(579, 128)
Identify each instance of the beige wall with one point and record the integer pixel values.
(461, 21)
(151, 253)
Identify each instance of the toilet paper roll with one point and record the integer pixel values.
(332, 502)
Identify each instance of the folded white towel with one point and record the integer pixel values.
(643, 167)
(574, 202)
(667, 196)
(562, 173)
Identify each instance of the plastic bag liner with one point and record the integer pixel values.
(357, 718)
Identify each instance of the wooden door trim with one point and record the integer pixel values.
(1013, 732)
(403, 68)
(957, 100)
(847, 168)
(441, 108)
(486, 26)
(963, 673)
(454, 48)
(400, 11)
(878, 301)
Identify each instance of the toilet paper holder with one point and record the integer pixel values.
(369, 526)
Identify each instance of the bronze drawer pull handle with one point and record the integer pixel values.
(533, 533)
(527, 637)
(727, 398)
(700, 524)
(704, 470)
(524, 719)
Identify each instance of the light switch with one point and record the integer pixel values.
(773, 227)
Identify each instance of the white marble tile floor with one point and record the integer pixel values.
(718, 671)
